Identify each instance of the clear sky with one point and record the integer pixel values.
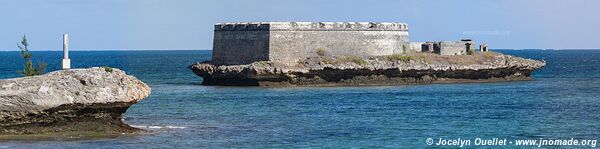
(188, 24)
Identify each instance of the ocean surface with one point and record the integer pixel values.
(562, 102)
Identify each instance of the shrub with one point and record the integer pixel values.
(107, 69)
(398, 57)
(354, 59)
(423, 58)
(29, 69)
(358, 60)
(327, 60)
(488, 55)
(321, 52)
(263, 62)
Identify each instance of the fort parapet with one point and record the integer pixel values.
(289, 42)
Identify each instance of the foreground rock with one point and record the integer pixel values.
(89, 101)
(384, 70)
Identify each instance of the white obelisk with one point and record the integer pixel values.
(66, 62)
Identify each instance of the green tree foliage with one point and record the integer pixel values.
(29, 69)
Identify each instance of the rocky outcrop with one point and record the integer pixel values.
(385, 70)
(76, 100)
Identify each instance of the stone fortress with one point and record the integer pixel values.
(347, 54)
(243, 43)
(289, 42)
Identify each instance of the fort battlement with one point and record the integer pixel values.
(311, 26)
(290, 42)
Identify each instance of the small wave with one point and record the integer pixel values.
(159, 127)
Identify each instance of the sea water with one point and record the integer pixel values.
(562, 102)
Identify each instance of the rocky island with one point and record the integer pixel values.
(71, 103)
(348, 54)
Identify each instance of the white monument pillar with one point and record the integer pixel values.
(66, 62)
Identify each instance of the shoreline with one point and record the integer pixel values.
(102, 118)
(249, 83)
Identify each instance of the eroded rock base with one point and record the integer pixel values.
(344, 78)
(419, 68)
(74, 119)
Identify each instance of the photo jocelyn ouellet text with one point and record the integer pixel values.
(541, 142)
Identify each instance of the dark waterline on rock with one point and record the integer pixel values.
(561, 102)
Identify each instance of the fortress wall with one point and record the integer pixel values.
(240, 47)
(416, 46)
(288, 42)
(291, 46)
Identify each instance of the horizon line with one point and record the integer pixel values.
(110, 50)
(10, 50)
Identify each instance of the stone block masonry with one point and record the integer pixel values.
(290, 42)
(448, 47)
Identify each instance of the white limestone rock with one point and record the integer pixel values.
(97, 95)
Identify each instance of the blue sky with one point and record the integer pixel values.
(188, 24)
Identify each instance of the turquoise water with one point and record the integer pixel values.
(561, 102)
